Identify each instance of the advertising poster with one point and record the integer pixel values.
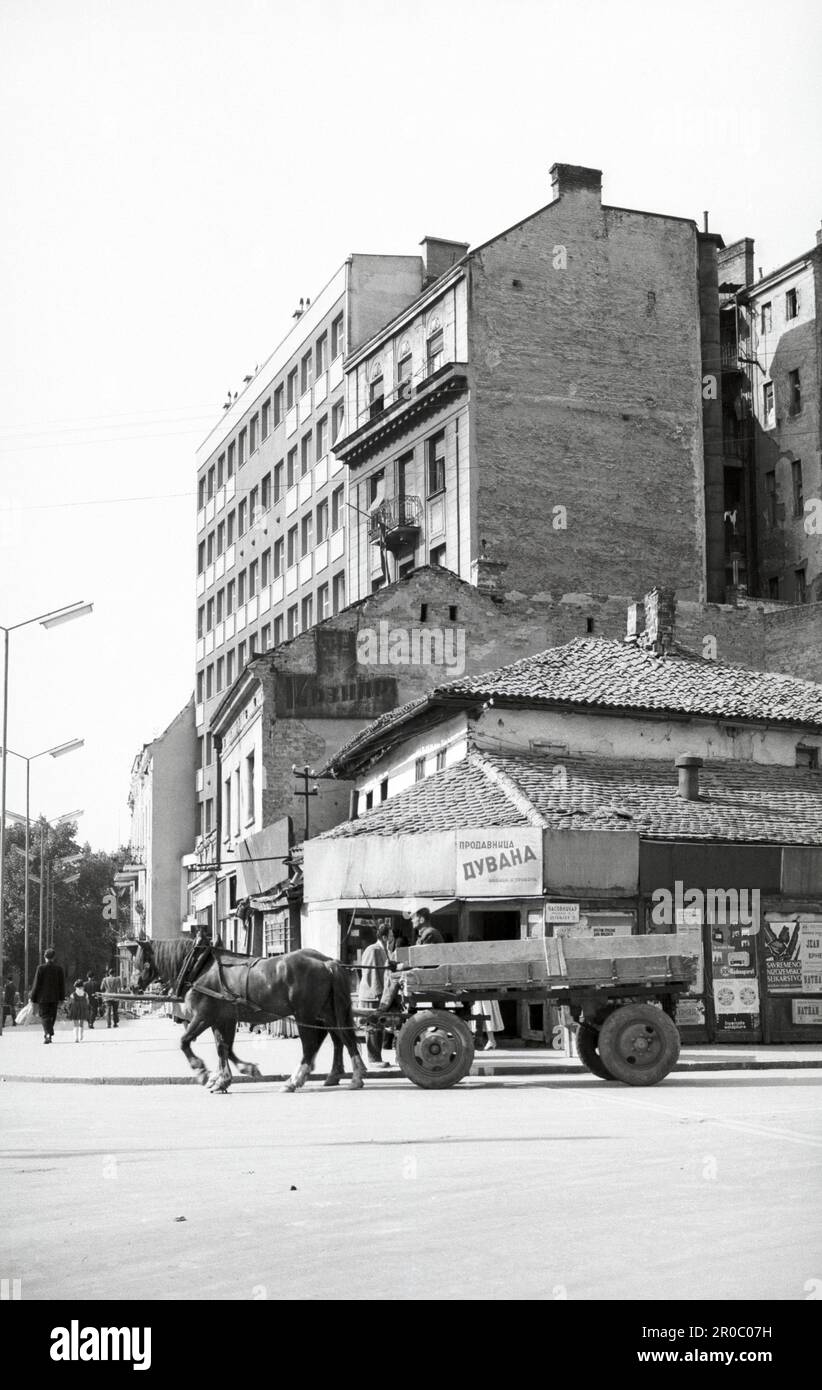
(793, 956)
(735, 983)
(690, 1013)
(810, 956)
(807, 1011)
(733, 997)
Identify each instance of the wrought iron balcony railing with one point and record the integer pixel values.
(395, 523)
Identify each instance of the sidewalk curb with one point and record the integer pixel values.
(484, 1070)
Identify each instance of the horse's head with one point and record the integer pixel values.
(145, 967)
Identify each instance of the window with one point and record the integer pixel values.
(376, 484)
(773, 587)
(249, 789)
(227, 809)
(807, 756)
(306, 454)
(307, 534)
(242, 512)
(220, 605)
(376, 394)
(231, 527)
(200, 752)
(266, 430)
(322, 521)
(241, 658)
(265, 637)
(220, 673)
(229, 668)
(795, 392)
(201, 557)
(200, 619)
(322, 437)
(404, 366)
(306, 372)
(796, 486)
(423, 612)
(338, 508)
(767, 400)
(292, 546)
(322, 354)
(337, 417)
(436, 463)
(322, 603)
(278, 557)
(404, 469)
(369, 800)
(338, 591)
(221, 538)
(293, 621)
(800, 589)
(437, 555)
(230, 465)
(201, 494)
(229, 598)
(765, 318)
(253, 504)
(209, 750)
(453, 612)
(211, 481)
(278, 406)
(209, 681)
(242, 441)
(221, 470)
(265, 568)
(337, 337)
(791, 304)
(434, 351)
(210, 615)
(252, 645)
(241, 583)
(291, 467)
(253, 576)
(209, 815)
(279, 471)
(210, 549)
(278, 631)
(200, 680)
(419, 769)
(308, 612)
(440, 759)
(237, 802)
(253, 431)
(384, 789)
(265, 492)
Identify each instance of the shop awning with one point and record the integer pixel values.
(405, 906)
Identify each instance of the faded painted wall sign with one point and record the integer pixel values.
(500, 863)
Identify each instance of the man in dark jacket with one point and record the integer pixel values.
(8, 1002)
(48, 992)
(90, 986)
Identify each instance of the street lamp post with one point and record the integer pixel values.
(59, 751)
(45, 873)
(53, 618)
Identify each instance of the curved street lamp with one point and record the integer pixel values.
(66, 614)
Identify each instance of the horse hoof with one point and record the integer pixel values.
(332, 1080)
(202, 1078)
(356, 1084)
(289, 1086)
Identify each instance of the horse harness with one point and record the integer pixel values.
(225, 994)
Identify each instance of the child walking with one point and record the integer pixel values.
(79, 1009)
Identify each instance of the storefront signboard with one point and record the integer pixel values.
(806, 1011)
(562, 912)
(499, 863)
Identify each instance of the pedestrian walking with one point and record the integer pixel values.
(374, 967)
(90, 986)
(48, 992)
(9, 996)
(111, 985)
(79, 1009)
(488, 1021)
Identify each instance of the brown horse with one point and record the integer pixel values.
(232, 988)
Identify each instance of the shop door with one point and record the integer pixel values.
(499, 925)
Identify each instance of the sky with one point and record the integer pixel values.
(176, 174)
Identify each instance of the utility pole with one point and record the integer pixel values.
(304, 792)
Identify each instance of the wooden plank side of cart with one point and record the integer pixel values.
(551, 965)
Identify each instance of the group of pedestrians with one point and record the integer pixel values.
(48, 992)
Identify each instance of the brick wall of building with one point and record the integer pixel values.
(588, 397)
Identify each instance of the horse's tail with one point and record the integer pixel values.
(341, 994)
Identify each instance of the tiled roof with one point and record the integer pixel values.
(464, 795)
(599, 673)
(739, 802)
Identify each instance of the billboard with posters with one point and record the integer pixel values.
(793, 955)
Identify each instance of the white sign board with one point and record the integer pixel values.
(503, 863)
(562, 912)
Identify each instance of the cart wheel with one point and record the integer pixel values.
(639, 1044)
(588, 1052)
(435, 1049)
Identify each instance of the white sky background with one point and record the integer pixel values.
(175, 174)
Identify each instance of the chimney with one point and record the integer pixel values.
(636, 621)
(488, 575)
(660, 620)
(688, 768)
(439, 255)
(575, 178)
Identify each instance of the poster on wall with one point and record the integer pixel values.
(807, 1011)
(735, 983)
(793, 956)
(690, 1013)
(734, 997)
(500, 863)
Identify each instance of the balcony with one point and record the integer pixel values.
(729, 354)
(396, 524)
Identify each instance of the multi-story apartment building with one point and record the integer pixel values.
(772, 368)
(271, 495)
(549, 402)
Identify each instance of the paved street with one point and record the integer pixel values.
(542, 1187)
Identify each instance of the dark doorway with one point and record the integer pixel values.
(498, 925)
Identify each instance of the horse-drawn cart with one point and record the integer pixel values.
(621, 992)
